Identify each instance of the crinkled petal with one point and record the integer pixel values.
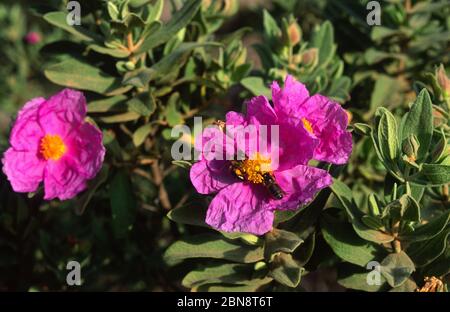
(211, 176)
(212, 143)
(299, 184)
(334, 147)
(234, 118)
(86, 149)
(239, 208)
(296, 146)
(260, 109)
(329, 121)
(24, 170)
(27, 132)
(63, 112)
(62, 179)
(288, 100)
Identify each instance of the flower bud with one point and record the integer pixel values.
(291, 32)
(130, 65)
(260, 265)
(222, 7)
(310, 57)
(410, 147)
(443, 81)
(32, 38)
(250, 239)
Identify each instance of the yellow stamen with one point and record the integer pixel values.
(307, 125)
(52, 147)
(255, 167)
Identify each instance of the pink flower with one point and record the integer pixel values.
(51, 143)
(309, 127)
(247, 205)
(33, 37)
(325, 120)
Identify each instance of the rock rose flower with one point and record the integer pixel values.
(51, 143)
(309, 127)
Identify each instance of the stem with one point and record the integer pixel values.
(396, 244)
(130, 42)
(158, 178)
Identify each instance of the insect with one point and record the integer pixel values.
(266, 178)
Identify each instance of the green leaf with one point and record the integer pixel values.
(77, 74)
(271, 29)
(182, 164)
(440, 266)
(143, 104)
(58, 19)
(397, 268)
(113, 11)
(252, 286)
(427, 251)
(155, 11)
(382, 95)
(123, 204)
(346, 244)
(372, 56)
(323, 39)
(110, 104)
(286, 270)
(211, 246)
(141, 134)
(428, 230)
(411, 209)
(387, 135)
(280, 241)
(125, 117)
(380, 32)
(419, 122)
(436, 174)
(355, 277)
(344, 195)
(219, 273)
(172, 114)
(167, 68)
(189, 214)
(117, 53)
(257, 86)
(362, 128)
(178, 21)
(373, 222)
(408, 286)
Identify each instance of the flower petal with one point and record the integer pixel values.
(239, 208)
(296, 146)
(24, 170)
(329, 121)
(299, 184)
(62, 179)
(63, 112)
(234, 118)
(259, 108)
(27, 132)
(212, 143)
(290, 98)
(211, 176)
(86, 149)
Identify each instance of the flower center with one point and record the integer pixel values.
(307, 125)
(255, 168)
(52, 147)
